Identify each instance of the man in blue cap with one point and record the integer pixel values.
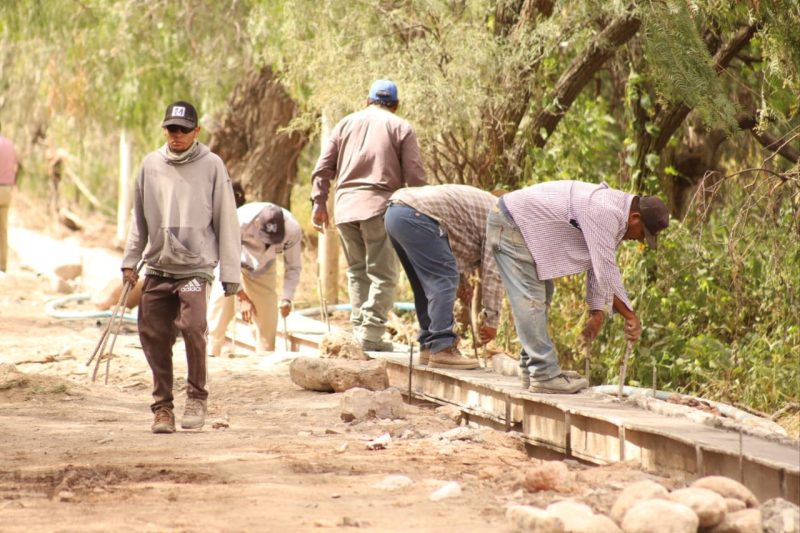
(370, 154)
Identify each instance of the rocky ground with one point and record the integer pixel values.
(78, 455)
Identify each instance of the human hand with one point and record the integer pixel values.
(632, 328)
(486, 334)
(592, 327)
(246, 307)
(319, 217)
(129, 275)
(285, 307)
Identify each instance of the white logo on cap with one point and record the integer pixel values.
(178, 111)
(271, 227)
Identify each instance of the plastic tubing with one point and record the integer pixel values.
(400, 306)
(53, 309)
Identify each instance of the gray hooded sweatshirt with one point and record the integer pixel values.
(184, 217)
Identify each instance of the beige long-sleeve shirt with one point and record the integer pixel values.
(371, 154)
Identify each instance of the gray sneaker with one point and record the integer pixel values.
(376, 346)
(194, 415)
(164, 421)
(525, 379)
(561, 384)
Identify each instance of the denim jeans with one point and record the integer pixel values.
(528, 295)
(371, 275)
(424, 251)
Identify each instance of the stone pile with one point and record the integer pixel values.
(713, 504)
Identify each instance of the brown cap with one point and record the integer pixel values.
(655, 217)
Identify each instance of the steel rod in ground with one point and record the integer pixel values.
(410, 367)
(587, 363)
(285, 335)
(624, 368)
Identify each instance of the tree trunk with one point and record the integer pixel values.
(249, 140)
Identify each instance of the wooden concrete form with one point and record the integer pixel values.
(590, 427)
(599, 429)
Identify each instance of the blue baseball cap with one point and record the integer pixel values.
(383, 90)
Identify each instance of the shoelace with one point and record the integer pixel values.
(194, 408)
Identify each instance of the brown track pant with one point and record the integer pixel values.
(168, 306)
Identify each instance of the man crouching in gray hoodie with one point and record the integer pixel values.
(184, 223)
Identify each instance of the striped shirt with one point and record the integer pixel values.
(571, 227)
(462, 211)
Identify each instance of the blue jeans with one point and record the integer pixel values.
(528, 295)
(424, 251)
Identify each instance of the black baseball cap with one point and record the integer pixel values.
(180, 114)
(655, 217)
(271, 225)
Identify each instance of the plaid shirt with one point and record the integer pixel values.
(571, 227)
(462, 211)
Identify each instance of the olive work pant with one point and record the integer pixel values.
(169, 306)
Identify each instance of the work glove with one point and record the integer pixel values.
(319, 216)
(592, 327)
(246, 307)
(230, 288)
(285, 307)
(486, 334)
(632, 328)
(130, 275)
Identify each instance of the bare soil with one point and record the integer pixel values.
(78, 455)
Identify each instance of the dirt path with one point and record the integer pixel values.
(79, 456)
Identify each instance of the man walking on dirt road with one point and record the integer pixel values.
(438, 232)
(556, 229)
(371, 153)
(184, 224)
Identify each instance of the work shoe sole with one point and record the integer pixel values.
(561, 386)
(526, 380)
(468, 364)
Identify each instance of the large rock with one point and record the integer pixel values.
(747, 521)
(309, 373)
(344, 375)
(361, 404)
(727, 488)
(341, 345)
(550, 475)
(633, 494)
(659, 516)
(533, 520)
(780, 516)
(579, 518)
(709, 506)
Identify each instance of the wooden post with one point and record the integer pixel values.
(328, 249)
(123, 192)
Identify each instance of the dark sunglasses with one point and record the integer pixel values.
(172, 128)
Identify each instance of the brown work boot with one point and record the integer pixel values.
(424, 357)
(164, 421)
(452, 358)
(561, 384)
(194, 414)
